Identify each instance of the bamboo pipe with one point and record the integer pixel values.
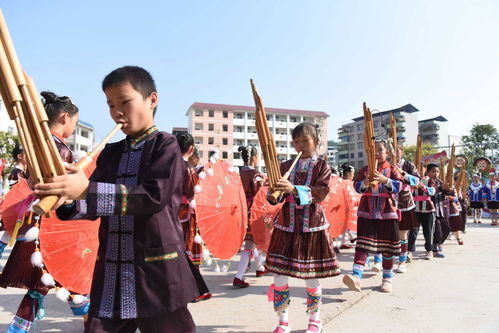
(273, 197)
(46, 204)
(42, 116)
(11, 51)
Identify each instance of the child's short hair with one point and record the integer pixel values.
(185, 141)
(18, 149)
(383, 143)
(304, 129)
(247, 152)
(55, 105)
(430, 167)
(140, 79)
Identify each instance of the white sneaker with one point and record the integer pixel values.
(377, 267)
(428, 255)
(402, 268)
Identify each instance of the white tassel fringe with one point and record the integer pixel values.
(198, 239)
(206, 255)
(78, 299)
(62, 294)
(48, 280)
(197, 188)
(202, 175)
(36, 259)
(192, 204)
(32, 234)
(210, 172)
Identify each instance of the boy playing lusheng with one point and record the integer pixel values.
(142, 277)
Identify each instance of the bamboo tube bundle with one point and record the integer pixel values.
(462, 181)
(25, 108)
(450, 166)
(369, 144)
(442, 170)
(268, 147)
(418, 156)
(392, 136)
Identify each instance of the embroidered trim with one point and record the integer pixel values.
(23, 324)
(143, 136)
(281, 299)
(292, 206)
(163, 257)
(313, 301)
(124, 199)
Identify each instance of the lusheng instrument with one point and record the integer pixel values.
(369, 144)
(268, 147)
(462, 180)
(392, 139)
(25, 108)
(449, 179)
(418, 156)
(442, 170)
(87, 160)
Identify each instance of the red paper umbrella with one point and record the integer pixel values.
(262, 218)
(69, 251)
(335, 207)
(14, 203)
(221, 210)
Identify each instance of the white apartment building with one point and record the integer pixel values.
(351, 135)
(332, 153)
(434, 131)
(83, 138)
(223, 128)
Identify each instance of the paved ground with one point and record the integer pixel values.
(456, 294)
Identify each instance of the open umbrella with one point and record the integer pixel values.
(221, 210)
(353, 201)
(262, 218)
(69, 250)
(15, 204)
(335, 206)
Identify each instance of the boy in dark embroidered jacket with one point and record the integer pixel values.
(142, 278)
(377, 226)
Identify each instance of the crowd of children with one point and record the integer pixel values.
(147, 268)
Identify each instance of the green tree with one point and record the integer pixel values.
(482, 141)
(426, 147)
(7, 144)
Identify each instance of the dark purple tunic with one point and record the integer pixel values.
(141, 270)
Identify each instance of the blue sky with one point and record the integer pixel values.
(441, 56)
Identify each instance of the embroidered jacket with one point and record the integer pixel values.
(422, 197)
(141, 269)
(410, 174)
(252, 180)
(303, 212)
(378, 203)
(475, 192)
(491, 191)
(188, 185)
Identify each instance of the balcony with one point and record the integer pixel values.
(238, 122)
(238, 135)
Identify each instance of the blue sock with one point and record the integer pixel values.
(358, 270)
(2, 248)
(378, 258)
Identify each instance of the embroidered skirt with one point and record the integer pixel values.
(476, 205)
(493, 205)
(409, 220)
(19, 272)
(456, 223)
(378, 236)
(194, 250)
(304, 255)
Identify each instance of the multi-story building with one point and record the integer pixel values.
(351, 135)
(332, 153)
(177, 130)
(82, 138)
(434, 131)
(223, 128)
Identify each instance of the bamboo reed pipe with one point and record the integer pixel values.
(273, 197)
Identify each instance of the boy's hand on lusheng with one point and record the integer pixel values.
(71, 186)
(377, 176)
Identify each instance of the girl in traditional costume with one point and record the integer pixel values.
(252, 180)
(377, 224)
(300, 245)
(475, 195)
(492, 196)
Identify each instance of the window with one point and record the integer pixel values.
(352, 155)
(225, 141)
(225, 128)
(211, 127)
(360, 136)
(200, 154)
(225, 114)
(211, 140)
(360, 164)
(225, 155)
(352, 146)
(239, 142)
(199, 113)
(84, 134)
(237, 156)
(198, 126)
(293, 119)
(239, 129)
(198, 140)
(360, 145)
(211, 113)
(359, 127)
(239, 116)
(360, 155)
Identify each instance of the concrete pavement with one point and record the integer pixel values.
(455, 294)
